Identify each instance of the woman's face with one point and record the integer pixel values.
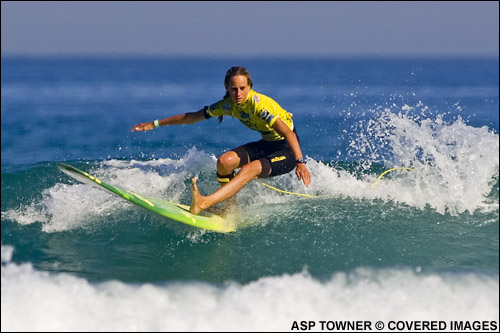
(238, 88)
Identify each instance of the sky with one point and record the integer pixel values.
(250, 28)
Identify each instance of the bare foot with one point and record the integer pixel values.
(196, 204)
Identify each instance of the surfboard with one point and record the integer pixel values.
(171, 210)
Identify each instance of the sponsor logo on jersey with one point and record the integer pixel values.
(264, 114)
(267, 116)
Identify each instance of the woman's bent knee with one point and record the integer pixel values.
(227, 162)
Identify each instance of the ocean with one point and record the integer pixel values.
(418, 245)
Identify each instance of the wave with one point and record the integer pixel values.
(444, 165)
(39, 301)
(67, 204)
(456, 166)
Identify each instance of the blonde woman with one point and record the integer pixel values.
(277, 153)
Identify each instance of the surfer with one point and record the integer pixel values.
(277, 153)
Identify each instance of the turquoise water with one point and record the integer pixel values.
(422, 242)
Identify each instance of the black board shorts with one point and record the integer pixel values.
(277, 157)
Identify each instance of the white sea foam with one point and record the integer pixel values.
(64, 207)
(455, 165)
(39, 301)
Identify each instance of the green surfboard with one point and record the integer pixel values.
(174, 211)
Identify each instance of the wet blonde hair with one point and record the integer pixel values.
(235, 71)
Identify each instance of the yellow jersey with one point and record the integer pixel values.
(258, 112)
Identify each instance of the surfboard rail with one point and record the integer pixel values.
(171, 210)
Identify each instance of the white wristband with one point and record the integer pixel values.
(157, 123)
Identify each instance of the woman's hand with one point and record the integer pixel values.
(143, 127)
(303, 174)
